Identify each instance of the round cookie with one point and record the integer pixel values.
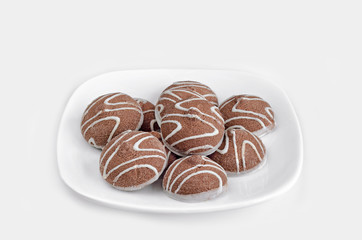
(109, 115)
(250, 112)
(194, 178)
(171, 157)
(149, 121)
(132, 160)
(195, 86)
(192, 126)
(240, 151)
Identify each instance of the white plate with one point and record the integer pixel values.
(78, 162)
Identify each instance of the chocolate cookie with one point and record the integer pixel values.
(192, 126)
(240, 151)
(132, 160)
(149, 121)
(109, 115)
(194, 178)
(195, 86)
(250, 112)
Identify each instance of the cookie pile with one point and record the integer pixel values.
(187, 139)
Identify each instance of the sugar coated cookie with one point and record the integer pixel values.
(192, 126)
(109, 115)
(240, 151)
(250, 112)
(132, 160)
(194, 178)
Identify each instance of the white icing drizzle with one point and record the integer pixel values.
(90, 119)
(178, 128)
(269, 110)
(170, 92)
(123, 108)
(245, 117)
(117, 103)
(190, 169)
(136, 135)
(180, 85)
(213, 109)
(91, 122)
(209, 95)
(137, 144)
(226, 147)
(92, 142)
(153, 124)
(148, 111)
(204, 147)
(243, 152)
(236, 153)
(134, 167)
(168, 99)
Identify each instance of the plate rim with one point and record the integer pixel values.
(250, 202)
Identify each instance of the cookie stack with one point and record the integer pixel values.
(187, 139)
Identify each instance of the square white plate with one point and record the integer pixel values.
(78, 162)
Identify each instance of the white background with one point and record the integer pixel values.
(310, 48)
